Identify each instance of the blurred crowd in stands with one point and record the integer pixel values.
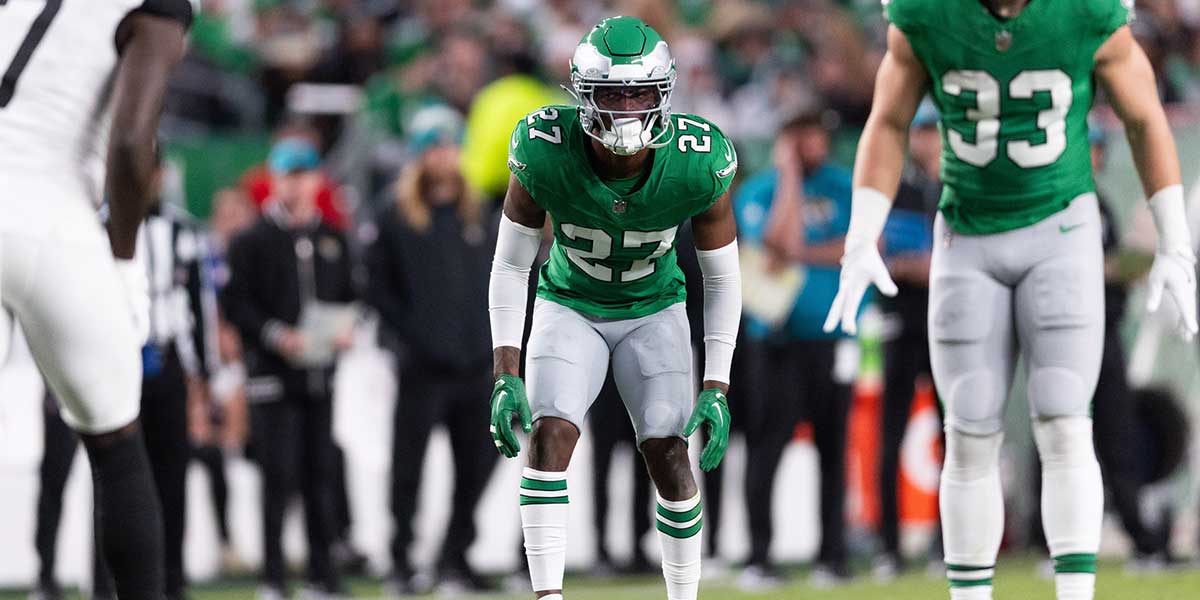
(388, 123)
(745, 65)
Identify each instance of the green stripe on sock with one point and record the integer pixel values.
(676, 532)
(967, 568)
(970, 582)
(544, 486)
(538, 500)
(679, 517)
(1075, 563)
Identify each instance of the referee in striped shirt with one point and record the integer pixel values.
(169, 249)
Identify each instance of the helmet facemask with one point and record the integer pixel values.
(626, 130)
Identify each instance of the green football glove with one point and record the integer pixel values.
(508, 397)
(712, 408)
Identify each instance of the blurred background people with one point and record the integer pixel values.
(169, 249)
(219, 421)
(797, 213)
(908, 247)
(428, 269)
(287, 264)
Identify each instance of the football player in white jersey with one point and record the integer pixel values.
(71, 71)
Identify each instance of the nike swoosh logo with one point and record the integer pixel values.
(1069, 228)
(501, 397)
(733, 164)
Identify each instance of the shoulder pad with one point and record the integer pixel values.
(711, 153)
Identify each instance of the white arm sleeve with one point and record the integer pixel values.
(508, 289)
(868, 214)
(722, 309)
(1170, 218)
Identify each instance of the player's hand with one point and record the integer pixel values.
(508, 397)
(712, 408)
(291, 342)
(137, 296)
(786, 158)
(1174, 273)
(861, 267)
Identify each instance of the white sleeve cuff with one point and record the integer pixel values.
(1170, 219)
(868, 214)
(722, 309)
(508, 289)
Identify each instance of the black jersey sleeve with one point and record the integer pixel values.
(182, 11)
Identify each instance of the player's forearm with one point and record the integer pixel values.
(879, 161)
(506, 360)
(1154, 152)
(151, 47)
(130, 170)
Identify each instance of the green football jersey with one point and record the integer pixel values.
(614, 254)
(1014, 96)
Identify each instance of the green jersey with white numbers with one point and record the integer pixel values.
(614, 242)
(1014, 96)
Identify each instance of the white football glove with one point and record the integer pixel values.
(1175, 273)
(861, 264)
(861, 267)
(137, 296)
(1174, 268)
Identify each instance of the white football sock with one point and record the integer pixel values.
(552, 597)
(972, 507)
(544, 520)
(1072, 502)
(679, 524)
(982, 592)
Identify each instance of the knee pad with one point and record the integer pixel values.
(974, 403)
(971, 457)
(1064, 441)
(1058, 392)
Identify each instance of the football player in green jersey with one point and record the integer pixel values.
(617, 174)
(1017, 264)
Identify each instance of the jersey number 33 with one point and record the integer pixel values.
(986, 116)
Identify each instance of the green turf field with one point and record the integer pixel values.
(1015, 581)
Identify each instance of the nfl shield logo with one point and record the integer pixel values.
(1003, 41)
(619, 206)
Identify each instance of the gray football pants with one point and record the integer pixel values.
(1038, 290)
(568, 360)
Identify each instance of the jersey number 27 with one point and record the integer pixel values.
(8, 81)
(986, 115)
(589, 260)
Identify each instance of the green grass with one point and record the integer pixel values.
(1014, 581)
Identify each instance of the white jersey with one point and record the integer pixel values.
(58, 58)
